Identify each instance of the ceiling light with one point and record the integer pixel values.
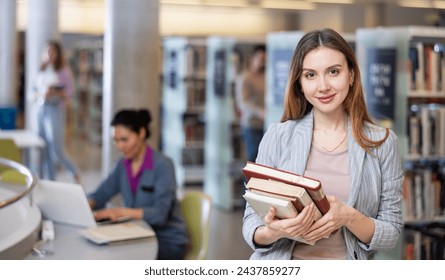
(333, 1)
(415, 3)
(181, 2)
(439, 4)
(226, 3)
(287, 5)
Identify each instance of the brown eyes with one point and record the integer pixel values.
(331, 72)
(334, 71)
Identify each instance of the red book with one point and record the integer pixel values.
(312, 186)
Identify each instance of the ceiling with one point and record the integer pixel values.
(281, 4)
(202, 17)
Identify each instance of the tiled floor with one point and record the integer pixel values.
(226, 241)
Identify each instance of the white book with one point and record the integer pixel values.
(441, 132)
(434, 71)
(414, 136)
(426, 131)
(442, 65)
(437, 185)
(437, 124)
(261, 204)
(428, 194)
(418, 196)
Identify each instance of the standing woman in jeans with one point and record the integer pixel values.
(53, 87)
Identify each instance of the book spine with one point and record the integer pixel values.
(318, 196)
(297, 205)
(320, 200)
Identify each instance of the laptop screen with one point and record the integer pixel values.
(64, 203)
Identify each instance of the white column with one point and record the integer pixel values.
(43, 25)
(8, 54)
(131, 66)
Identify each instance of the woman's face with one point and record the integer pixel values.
(50, 54)
(325, 79)
(128, 142)
(259, 62)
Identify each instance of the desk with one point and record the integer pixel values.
(26, 140)
(69, 245)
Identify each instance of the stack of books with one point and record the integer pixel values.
(287, 192)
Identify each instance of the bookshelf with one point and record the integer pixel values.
(183, 103)
(224, 149)
(403, 73)
(219, 116)
(86, 62)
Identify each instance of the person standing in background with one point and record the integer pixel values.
(53, 88)
(251, 102)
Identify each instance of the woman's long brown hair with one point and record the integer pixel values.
(60, 61)
(296, 105)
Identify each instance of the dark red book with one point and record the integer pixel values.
(312, 186)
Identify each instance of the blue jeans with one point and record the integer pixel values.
(252, 138)
(51, 127)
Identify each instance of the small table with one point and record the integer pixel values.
(26, 139)
(70, 245)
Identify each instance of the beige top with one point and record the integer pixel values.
(332, 169)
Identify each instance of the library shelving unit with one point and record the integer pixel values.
(403, 70)
(219, 112)
(183, 100)
(87, 65)
(280, 49)
(224, 149)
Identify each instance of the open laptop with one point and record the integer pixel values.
(67, 203)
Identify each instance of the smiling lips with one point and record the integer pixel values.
(326, 99)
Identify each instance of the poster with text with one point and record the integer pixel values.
(380, 82)
(281, 60)
(172, 75)
(220, 73)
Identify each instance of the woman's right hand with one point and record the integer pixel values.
(292, 228)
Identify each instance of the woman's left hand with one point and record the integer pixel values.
(337, 216)
(114, 214)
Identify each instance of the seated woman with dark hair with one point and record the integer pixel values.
(146, 180)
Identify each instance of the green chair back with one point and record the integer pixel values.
(9, 150)
(196, 208)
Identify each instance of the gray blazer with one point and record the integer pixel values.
(156, 195)
(376, 185)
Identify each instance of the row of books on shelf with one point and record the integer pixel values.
(196, 94)
(424, 192)
(196, 59)
(425, 241)
(193, 156)
(87, 60)
(427, 64)
(287, 192)
(194, 127)
(427, 130)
